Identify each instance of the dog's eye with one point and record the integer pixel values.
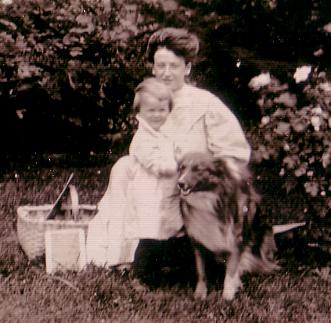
(181, 167)
(198, 168)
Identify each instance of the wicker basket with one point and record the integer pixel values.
(32, 223)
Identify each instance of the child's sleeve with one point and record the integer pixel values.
(154, 154)
(165, 162)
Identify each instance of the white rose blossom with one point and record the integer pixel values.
(316, 122)
(318, 52)
(317, 110)
(286, 147)
(259, 81)
(327, 27)
(265, 120)
(301, 74)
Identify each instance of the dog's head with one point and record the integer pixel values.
(200, 172)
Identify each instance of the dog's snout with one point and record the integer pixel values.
(183, 187)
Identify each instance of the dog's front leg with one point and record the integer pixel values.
(232, 280)
(201, 288)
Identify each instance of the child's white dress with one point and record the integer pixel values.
(152, 193)
(145, 207)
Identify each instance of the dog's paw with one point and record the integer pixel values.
(201, 291)
(231, 286)
(228, 295)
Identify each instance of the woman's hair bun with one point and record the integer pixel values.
(179, 40)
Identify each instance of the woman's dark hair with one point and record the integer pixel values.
(178, 40)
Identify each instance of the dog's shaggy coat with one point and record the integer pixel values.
(220, 211)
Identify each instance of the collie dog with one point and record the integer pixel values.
(220, 211)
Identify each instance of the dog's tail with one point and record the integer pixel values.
(263, 259)
(281, 228)
(252, 263)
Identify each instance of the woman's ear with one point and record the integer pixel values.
(188, 69)
(153, 70)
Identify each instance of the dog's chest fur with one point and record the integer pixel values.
(216, 233)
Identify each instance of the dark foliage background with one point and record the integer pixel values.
(68, 70)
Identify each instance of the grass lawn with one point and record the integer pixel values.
(300, 292)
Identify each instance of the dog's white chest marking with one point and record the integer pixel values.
(204, 227)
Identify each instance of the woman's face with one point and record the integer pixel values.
(170, 69)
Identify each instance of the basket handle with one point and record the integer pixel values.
(74, 201)
(57, 203)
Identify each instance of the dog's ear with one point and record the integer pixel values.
(219, 165)
(181, 162)
(238, 169)
(228, 166)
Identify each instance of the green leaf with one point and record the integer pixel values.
(86, 22)
(283, 128)
(290, 185)
(26, 70)
(302, 170)
(76, 121)
(287, 99)
(70, 40)
(76, 51)
(299, 125)
(326, 158)
(311, 188)
(279, 113)
(291, 161)
(8, 24)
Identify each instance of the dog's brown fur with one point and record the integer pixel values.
(219, 207)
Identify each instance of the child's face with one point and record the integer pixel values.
(153, 110)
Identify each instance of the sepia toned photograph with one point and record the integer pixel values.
(165, 161)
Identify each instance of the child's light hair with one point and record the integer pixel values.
(155, 88)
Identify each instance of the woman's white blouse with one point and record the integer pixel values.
(200, 121)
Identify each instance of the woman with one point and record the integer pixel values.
(199, 121)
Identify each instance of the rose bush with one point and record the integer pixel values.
(294, 132)
(68, 69)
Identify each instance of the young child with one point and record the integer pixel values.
(148, 207)
(152, 193)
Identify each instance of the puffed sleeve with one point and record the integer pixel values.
(225, 137)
